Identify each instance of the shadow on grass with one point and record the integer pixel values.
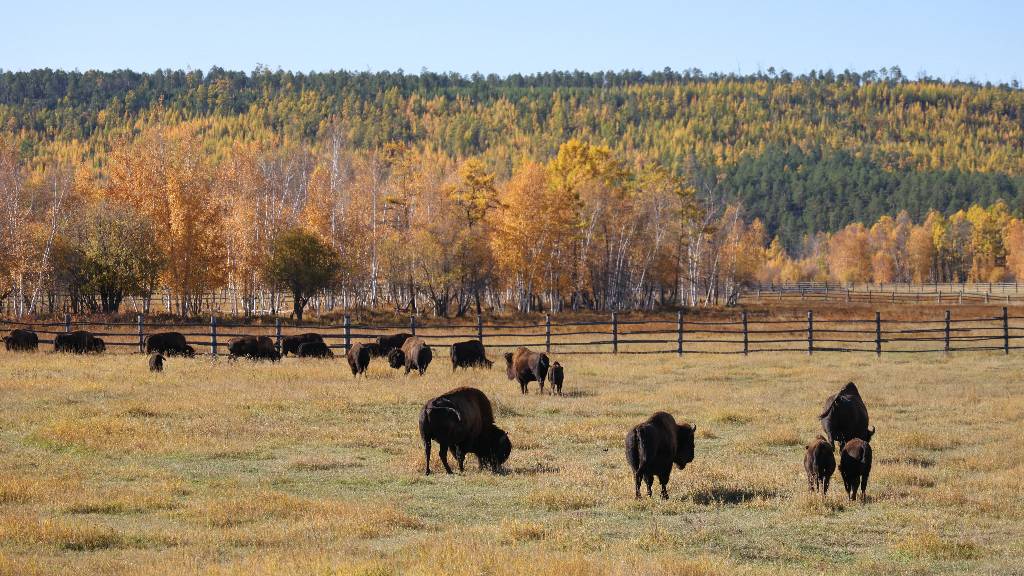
(729, 495)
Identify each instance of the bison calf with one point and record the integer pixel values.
(413, 355)
(653, 446)
(819, 463)
(855, 466)
(156, 362)
(359, 357)
(463, 420)
(525, 366)
(21, 339)
(314, 350)
(845, 416)
(556, 375)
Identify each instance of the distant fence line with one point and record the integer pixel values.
(1008, 293)
(680, 336)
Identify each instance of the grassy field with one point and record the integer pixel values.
(297, 468)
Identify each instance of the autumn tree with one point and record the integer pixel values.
(302, 263)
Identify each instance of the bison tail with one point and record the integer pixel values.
(544, 363)
(638, 457)
(828, 410)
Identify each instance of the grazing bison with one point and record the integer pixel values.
(845, 416)
(468, 354)
(653, 446)
(855, 466)
(819, 463)
(79, 342)
(253, 347)
(525, 366)
(290, 344)
(556, 375)
(169, 344)
(413, 355)
(463, 420)
(21, 340)
(385, 344)
(314, 350)
(156, 362)
(359, 357)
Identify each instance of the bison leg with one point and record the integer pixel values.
(649, 480)
(824, 486)
(863, 486)
(460, 457)
(523, 386)
(663, 478)
(444, 458)
(426, 450)
(812, 482)
(637, 478)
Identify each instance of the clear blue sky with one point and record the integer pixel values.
(967, 39)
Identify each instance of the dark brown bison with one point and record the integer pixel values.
(819, 463)
(855, 466)
(314, 350)
(156, 362)
(169, 344)
(413, 355)
(359, 357)
(845, 416)
(525, 366)
(385, 344)
(290, 344)
(463, 420)
(79, 342)
(469, 354)
(253, 347)
(556, 376)
(653, 446)
(21, 340)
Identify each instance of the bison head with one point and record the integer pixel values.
(97, 345)
(190, 352)
(868, 434)
(684, 444)
(396, 358)
(497, 448)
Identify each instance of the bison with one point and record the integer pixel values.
(819, 463)
(21, 340)
(845, 416)
(359, 357)
(556, 376)
(290, 344)
(468, 354)
(314, 350)
(413, 355)
(855, 466)
(79, 342)
(169, 344)
(653, 446)
(525, 366)
(463, 420)
(253, 347)
(156, 362)
(385, 344)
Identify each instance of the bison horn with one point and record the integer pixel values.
(693, 427)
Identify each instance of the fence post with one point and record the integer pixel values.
(679, 333)
(276, 331)
(746, 338)
(810, 332)
(67, 323)
(878, 334)
(960, 300)
(547, 333)
(412, 324)
(938, 297)
(947, 332)
(480, 328)
(847, 293)
(1006, 331)
(213, 336)
(615, 332)
(987, 294)
(142, 339)
(348, 332)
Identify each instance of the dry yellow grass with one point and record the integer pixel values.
(297, 468)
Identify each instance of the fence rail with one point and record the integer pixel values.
(679, 335)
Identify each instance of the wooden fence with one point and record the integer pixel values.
(679, 335)
(1008, 293)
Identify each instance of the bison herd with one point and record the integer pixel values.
(462, 420)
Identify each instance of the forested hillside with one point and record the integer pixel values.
(596, 190)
